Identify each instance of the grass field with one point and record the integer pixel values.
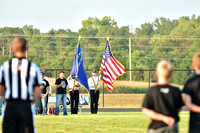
(127, 122)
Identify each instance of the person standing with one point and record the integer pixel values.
(74, 94)
(44, 94)
(61, 85)
(1, 104)
(94, 83)
(192, 96)
(49, 94)
(163, 102)
(20, 82)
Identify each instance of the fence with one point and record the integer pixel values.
(124, 91)
(139, 55)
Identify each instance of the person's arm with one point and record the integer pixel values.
(90, 83)
(77, 85)
(36, 93)
(179, 110)
(2, 92)
(158, 117)
(191, 106)
(46, 92)
(57, 86)
(50, 89)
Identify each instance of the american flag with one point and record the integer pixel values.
(111, 68)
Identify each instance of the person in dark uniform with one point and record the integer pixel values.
(94, 83)
(163, 102)
(192, 96)
(74, 94)
(20, 82)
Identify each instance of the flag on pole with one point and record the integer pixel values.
(111, 68)
(78, 73)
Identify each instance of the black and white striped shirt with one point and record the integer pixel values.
(19, 76)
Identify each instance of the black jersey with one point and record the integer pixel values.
(163, 99)
(192, 88)
(62, 89)
(45, 83)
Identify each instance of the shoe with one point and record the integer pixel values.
(65, 114)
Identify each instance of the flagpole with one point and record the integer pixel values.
(103, 82)
(79, 39)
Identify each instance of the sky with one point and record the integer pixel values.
(68, 14)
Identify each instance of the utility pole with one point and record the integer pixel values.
(3, 53)
(130, 59)
(10, 51)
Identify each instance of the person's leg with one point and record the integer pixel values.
(46, 101)
(58, 100)
(64, 102)
(44, 106)
(10, 119)
(72, 102)
(1, 104)
(36, 106)
(76, 101)
(26, 123)
(96, 101)
(92, 101)
(40, 109)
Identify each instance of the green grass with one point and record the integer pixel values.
(126, 122)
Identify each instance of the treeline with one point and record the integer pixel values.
(173, 40)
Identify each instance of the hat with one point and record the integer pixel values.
(94, 71)
(43, 71)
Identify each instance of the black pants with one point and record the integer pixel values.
(40, 108)
(94, 99)
(74, 101)
(18, 117)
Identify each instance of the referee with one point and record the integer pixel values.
(20, 82)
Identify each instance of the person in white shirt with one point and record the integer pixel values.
(94, 83)
(74, 94)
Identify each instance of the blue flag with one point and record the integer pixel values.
(78, 72)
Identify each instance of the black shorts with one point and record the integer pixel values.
(18, 117)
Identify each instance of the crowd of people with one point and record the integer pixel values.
(23, 84)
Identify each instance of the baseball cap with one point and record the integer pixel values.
(43, 71)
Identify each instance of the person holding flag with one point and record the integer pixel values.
(79, 76)
(94, 83)
(78, 72)
(74, 94)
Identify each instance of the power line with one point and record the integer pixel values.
(105, 37)
(163, 52)
(184, 47)
(162, 58)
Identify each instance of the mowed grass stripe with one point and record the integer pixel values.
(117, 122)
